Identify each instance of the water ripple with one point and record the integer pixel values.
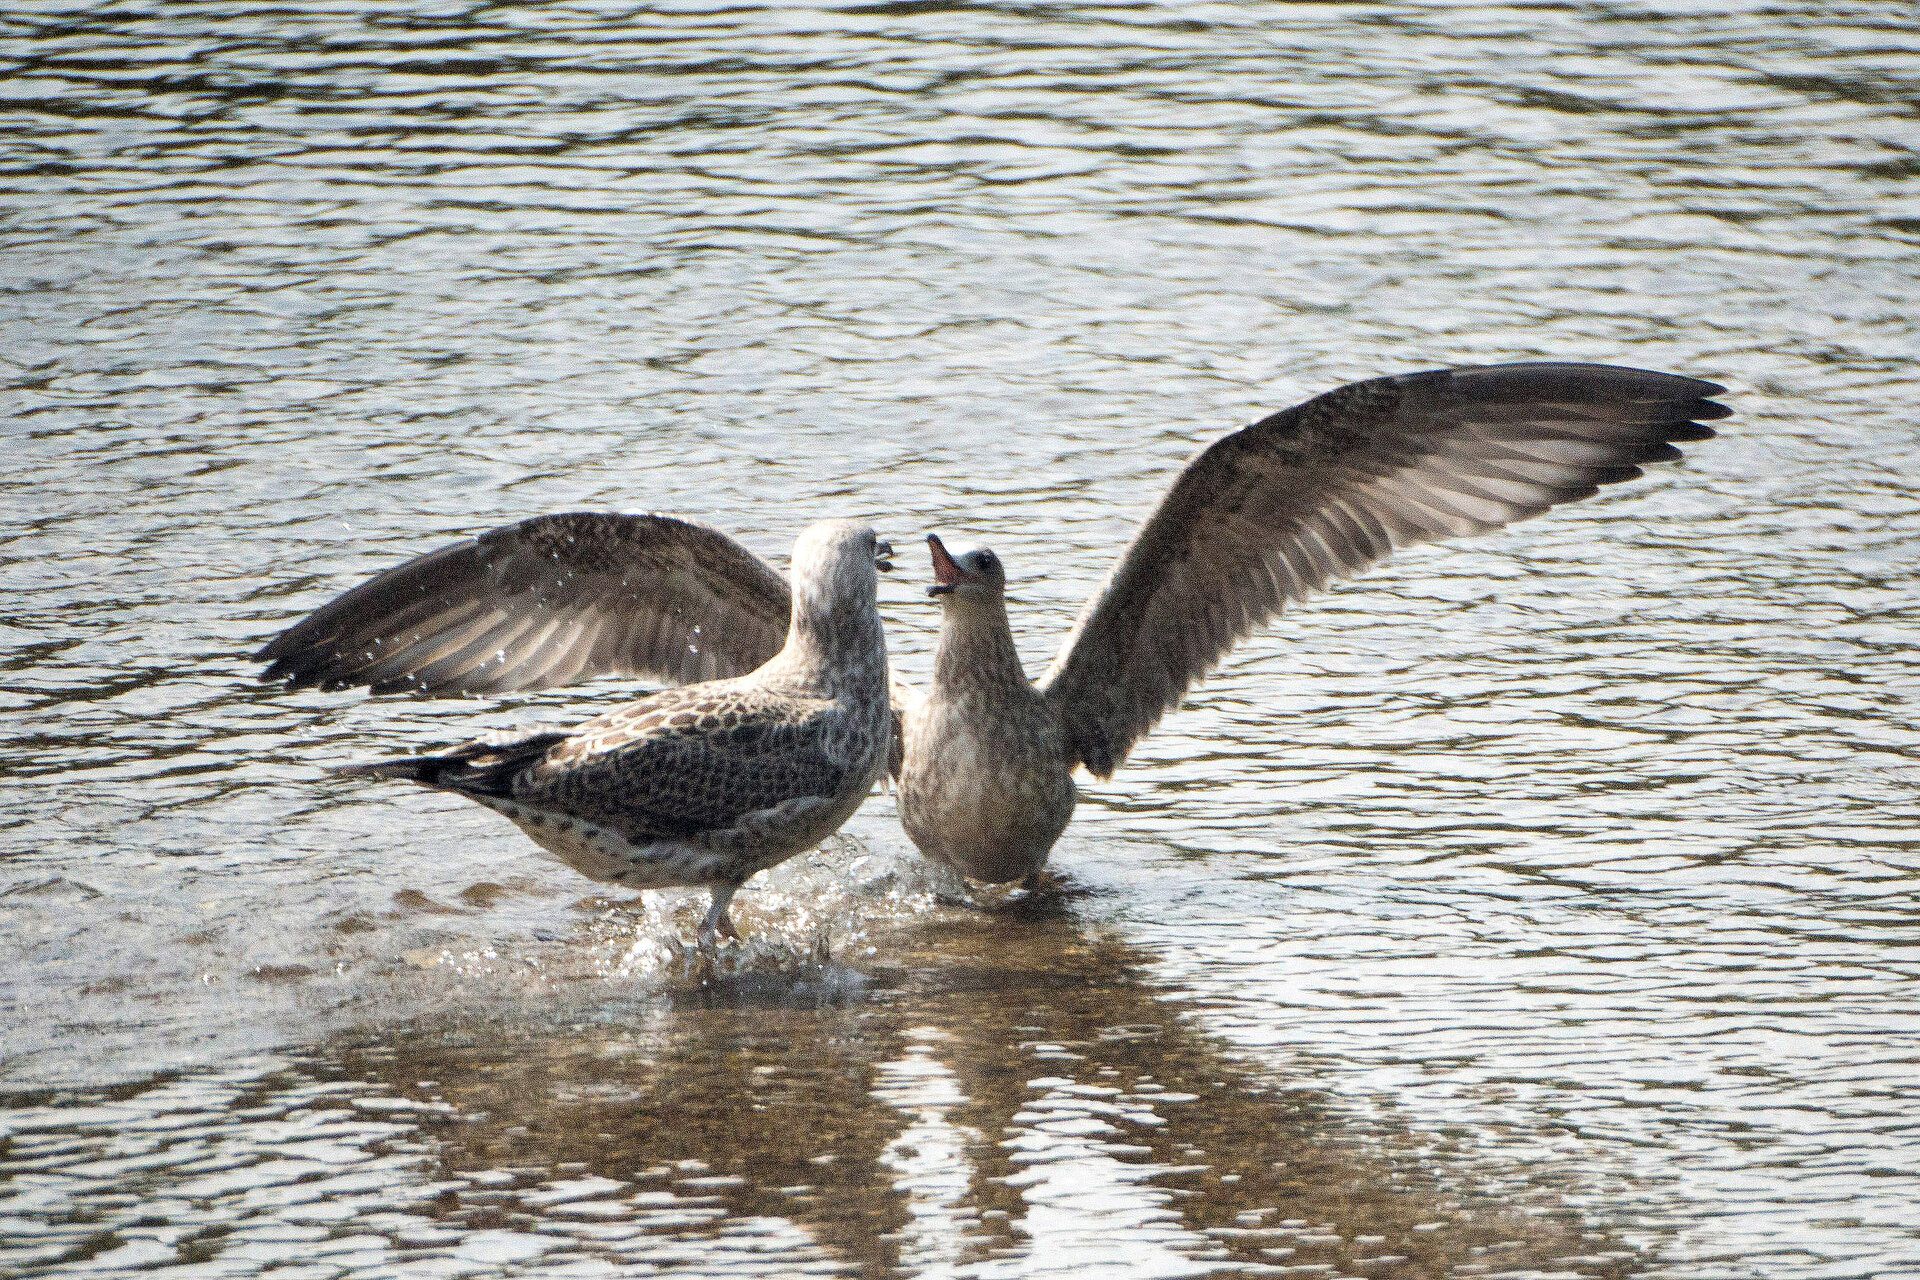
(1569, 867)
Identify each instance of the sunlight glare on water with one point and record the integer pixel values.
(1541, 904)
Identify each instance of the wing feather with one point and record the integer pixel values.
(548, 601)
(467, 647)
(688, 761)
(682, 763)
(1318, 492)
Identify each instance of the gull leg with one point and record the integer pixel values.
(718, 924)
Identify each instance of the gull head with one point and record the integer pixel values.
(968, 575)
(834, 564)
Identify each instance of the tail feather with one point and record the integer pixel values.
(480, 768)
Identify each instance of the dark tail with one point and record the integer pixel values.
(483, 768)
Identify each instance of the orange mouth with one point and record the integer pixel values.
(946, 574)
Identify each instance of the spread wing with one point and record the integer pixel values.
(1320, 491)
(546, 602)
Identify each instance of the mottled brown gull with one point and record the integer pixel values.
(701, 785)
(1261, 518)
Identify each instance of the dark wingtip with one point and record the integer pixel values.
(278, 670)
(289, 669)
(284, 645)
(410, 770)
(1691, 431)
(1616, 475)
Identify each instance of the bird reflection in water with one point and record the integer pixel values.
(993, 1096)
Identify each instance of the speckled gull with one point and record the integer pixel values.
(701, 785)
(1261, 518)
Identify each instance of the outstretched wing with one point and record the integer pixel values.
(1320, 491)
(546, 602)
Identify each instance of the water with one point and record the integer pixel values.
(1541, 904)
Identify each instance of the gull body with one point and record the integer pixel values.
(701, 785)
(985, 782)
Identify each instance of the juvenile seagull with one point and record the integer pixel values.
(702, 785)
(1261, 518)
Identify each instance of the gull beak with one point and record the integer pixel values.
(883, 556)
(946, 574)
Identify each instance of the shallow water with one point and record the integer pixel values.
(1539, 904)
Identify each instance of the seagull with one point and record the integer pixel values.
(985, 759)
(700, 785)
(1261, 518)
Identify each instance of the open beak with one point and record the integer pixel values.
(946, 574)
(883, 556)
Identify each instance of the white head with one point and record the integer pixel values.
(834, 563)
(971, 575)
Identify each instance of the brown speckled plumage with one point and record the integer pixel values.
(982, 782)
(707, 784)
(543, 603)
(1261, 518)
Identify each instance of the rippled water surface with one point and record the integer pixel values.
(1540, 904)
